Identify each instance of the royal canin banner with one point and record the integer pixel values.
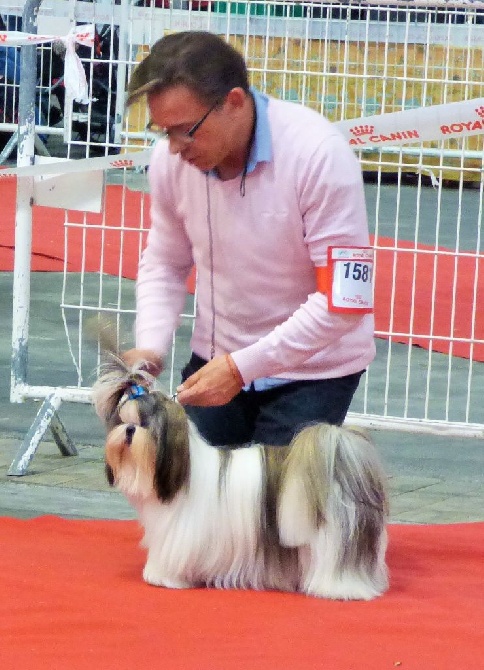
(438, 122)
(127, 161)
(13, 38)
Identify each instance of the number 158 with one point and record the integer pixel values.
(357, 271)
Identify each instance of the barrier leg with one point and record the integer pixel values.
(47, 417)
(8, 148)
(40, 146)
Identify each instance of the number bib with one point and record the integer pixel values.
(350, 279)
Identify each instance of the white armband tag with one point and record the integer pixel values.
(350, 279)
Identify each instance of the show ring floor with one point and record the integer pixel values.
(73, 595)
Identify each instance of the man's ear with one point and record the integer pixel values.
(236, 98)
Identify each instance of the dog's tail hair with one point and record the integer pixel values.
(102, 330)
(333, 498)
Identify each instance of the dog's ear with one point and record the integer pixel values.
(109, 474)
(172, 466)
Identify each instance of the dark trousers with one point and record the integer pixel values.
(273, 416)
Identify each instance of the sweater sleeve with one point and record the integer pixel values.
(333, 209)
(165, 263)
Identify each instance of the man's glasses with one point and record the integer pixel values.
(184, 136)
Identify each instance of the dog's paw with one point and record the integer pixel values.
(346, 589)
(155, 578)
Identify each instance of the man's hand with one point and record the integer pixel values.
(153, 363)
(214, 384)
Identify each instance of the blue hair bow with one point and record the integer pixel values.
(135, 391)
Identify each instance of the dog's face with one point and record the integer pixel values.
(147, 453)
(130, 460)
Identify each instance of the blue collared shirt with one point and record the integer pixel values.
(261, 150)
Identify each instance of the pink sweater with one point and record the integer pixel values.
(268, 314)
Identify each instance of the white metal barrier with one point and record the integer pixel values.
(425, 200)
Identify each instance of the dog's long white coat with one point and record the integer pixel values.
(208, 531)
(211, 533)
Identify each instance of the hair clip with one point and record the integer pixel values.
(135, 391)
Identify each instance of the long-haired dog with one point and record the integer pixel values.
(309, 517)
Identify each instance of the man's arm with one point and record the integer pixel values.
(165, 264)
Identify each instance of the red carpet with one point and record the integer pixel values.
(115, 250)
(72, 597)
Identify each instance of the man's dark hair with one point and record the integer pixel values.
(199, 60)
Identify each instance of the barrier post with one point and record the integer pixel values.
(121, 78)
(23, 248)
(23, 218)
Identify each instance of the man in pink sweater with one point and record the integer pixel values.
(261, 195)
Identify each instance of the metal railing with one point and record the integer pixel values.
(346, 61)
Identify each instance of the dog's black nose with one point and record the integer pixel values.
(130, 430)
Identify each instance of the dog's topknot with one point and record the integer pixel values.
(116, 378)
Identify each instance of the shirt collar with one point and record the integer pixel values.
(261, 150)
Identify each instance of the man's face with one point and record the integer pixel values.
(177, 110)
